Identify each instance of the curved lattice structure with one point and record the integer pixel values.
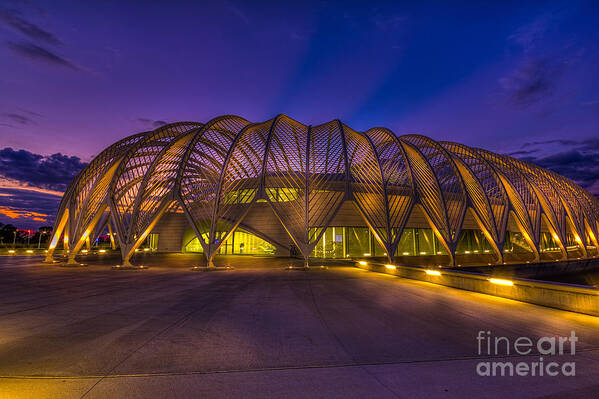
(214, 173)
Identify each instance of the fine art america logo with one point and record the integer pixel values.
(547, 364)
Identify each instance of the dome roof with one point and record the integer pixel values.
(214, 172)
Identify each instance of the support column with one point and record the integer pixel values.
(531, 243)
(56, 236)
(128, 252)
(209, 258)
(111, 236)
(84, 240)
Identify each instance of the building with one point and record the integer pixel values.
(230, 186)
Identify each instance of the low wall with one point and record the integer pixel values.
(569, 297)
(538, 270)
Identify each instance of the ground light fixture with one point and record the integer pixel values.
(500, 281)
(363, 263)
(391, 267)
(433, 272)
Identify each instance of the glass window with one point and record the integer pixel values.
(239, 243)
(245, 243)
(425, 242)
(407, 243)
(331, 244)
(358, 242)
(151, 241)
(194, 246)
(473, 242)
(515, 243)
(239, 196)
(282, 194)
(548, 243)
(416, 242)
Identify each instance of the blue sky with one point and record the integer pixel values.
(520, 79)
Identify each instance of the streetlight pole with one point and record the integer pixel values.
(14, 240)
(39, 241)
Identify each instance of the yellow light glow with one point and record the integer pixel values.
(146, 249)
(29, 251)
(577, 238)
(500, 281)
(555, 237)
(367, 254)
(391, 267)
(102, 251)
(467, 252)
(422, 253)
(433, 272)
(406, 253)
(486, 251)
(11, 251)
(362, 263)
(84, 251)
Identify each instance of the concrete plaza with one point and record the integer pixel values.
(263, 332)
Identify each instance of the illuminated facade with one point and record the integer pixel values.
(230, 186)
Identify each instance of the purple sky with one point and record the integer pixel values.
(75, 77)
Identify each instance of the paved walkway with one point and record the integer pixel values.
(342, 332)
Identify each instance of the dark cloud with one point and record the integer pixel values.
(151, 122)
(37, 53)
(53, 172)
(591, 144)
(20, 119)
(533, 80)
(522, 152)
(582, 168)
(578, 160)
(556, 141)
(14, 19)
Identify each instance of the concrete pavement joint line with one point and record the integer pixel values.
(266, 369)
(324, 323)
(176, 322)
